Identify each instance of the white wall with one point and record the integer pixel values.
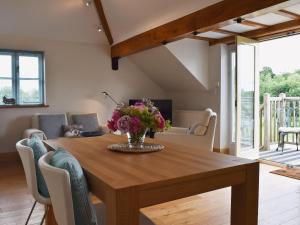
(165, 69)
(216, 98)
(75, 76)
(193, 54)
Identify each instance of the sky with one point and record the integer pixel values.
(282, 55)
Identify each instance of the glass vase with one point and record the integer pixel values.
(136, 140)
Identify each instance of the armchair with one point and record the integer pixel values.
(192, 128)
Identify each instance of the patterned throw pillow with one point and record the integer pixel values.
(72, 130)
(39, 150)
(84, 213)
(198, 129)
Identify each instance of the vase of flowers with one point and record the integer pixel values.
(136, 120)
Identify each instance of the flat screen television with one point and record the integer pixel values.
(164, 106)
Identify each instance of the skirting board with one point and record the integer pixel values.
(221, 150)
(9, 157)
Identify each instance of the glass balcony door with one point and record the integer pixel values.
(245, 133)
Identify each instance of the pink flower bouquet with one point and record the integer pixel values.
(135, 120)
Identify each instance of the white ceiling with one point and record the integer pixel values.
(131, 17)
(213, 34)
(294, 9)
(270, 19)
(71, 20)
(67, 20)
(238, 28)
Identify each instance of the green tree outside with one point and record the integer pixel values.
(274, 84)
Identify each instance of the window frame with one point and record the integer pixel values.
(15, 78)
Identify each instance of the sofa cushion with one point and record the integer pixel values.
(52, 124)
(39, 150)
(84, 213)
(200, 130)
(88, 121)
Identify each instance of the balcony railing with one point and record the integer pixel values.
(278, 112)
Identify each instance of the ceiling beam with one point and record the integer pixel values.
(264, 33)
(288, 14)
(207, 17)
(195, 37)
(253, 24)
(103, 21)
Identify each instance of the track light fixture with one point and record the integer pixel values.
(239, 20)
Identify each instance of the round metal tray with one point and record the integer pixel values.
(125, 148)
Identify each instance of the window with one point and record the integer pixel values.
(22, 77)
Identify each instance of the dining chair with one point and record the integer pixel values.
(59, 186)
(27, 158)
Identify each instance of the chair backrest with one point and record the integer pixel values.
(59, 186)
(27, 158)
(211, 130)
(186, 118)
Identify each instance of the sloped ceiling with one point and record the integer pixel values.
(71, 20)
(164, 68)
(130, 17)
(67, 20)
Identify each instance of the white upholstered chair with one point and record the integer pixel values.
(181, 133)
(27, 158)
(59, 186)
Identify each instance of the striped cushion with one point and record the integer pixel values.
(84, 213)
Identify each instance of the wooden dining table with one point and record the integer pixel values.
(127, 182)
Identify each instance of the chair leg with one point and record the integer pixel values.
(279, 136)
(46, 211)
(297, 141)
(32, 208)
(283, 136)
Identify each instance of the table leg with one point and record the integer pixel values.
(50, 219)
(122, 207)
(244, 199)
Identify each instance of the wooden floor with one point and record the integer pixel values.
(279, 202)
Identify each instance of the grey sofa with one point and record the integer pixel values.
(50, 125)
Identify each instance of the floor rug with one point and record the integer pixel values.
(288, 172)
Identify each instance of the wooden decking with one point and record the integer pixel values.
(279, 202)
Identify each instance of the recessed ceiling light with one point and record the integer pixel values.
(99, 29)
(88, 2)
